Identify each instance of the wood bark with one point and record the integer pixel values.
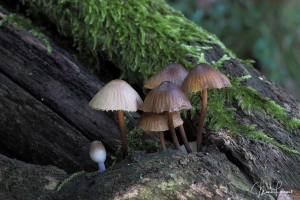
(164, 175)
(45, 119)
(19, 180)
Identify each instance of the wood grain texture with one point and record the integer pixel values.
(45, 117)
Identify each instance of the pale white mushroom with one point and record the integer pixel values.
(117, 95)
(98, 154)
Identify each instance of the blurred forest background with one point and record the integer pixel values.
(267, 32)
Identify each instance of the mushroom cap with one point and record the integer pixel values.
(174, 73)
(97, 151)
(202, 77)
(116, 95)
(165, 97)
(149, 121)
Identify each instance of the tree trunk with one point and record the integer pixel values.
(45, 120)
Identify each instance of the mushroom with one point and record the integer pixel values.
(98, 154)
(117, 95)
(168, 98)
(149, 121)
(201, 78)
(174, 73)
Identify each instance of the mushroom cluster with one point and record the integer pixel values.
(161, 106)
(174, 73)
(167, 98)
(158, 122)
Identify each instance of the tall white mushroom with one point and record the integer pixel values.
(117, 95)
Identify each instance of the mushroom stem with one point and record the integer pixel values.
(162, 140)
(172, 130)
(184, 139)
(201, 120)
(101, 166)
(123, 133)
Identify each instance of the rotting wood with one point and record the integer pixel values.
(253, 162)
(44, 105)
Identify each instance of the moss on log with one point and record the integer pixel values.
(141, 37)
(252, 129)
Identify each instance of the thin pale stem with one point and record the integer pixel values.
(101, 166)
(162, 140)
(184, 139)
(201, 120)
(123, 133)
(172, 131)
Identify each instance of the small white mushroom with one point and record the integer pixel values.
(98, 153)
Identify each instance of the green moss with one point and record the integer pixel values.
(220, 62)
(260, 135)
(80, 173)
(293, 123)
(141, 37)
(22, 22)
(136, 142)
(220, 113)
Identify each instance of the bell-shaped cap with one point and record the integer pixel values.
(97, 151)
(116, 95)
(165, 97)
(202, 77)
(174, 73)
(149, 121)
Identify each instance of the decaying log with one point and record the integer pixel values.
(165, 175)
(45, 117)
(19, 180)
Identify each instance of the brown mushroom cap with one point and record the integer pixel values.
(204, 76)
(116, 95)
(149, 121)
(166, 97)
(174, 73)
